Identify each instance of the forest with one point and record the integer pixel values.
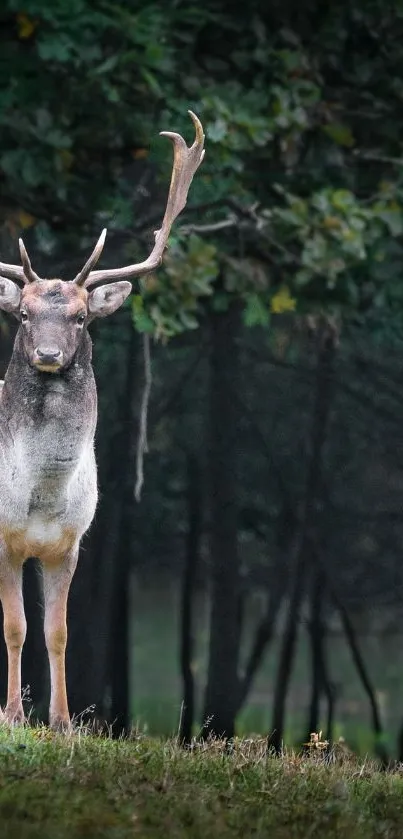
(244, 571)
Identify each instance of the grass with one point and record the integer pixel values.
(88, 786)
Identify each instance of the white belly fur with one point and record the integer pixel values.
(42, 531)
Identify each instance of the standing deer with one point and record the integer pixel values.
(48, 413)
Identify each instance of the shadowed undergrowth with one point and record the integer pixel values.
(88, 786)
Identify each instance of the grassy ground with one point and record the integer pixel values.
(86, 786)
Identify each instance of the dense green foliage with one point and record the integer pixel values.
(302, 112)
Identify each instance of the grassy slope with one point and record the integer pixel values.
(84, 786)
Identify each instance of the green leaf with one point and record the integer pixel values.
(31, 173)
(152, 81)
(143, 323)
(55, 49)
(106, 66)
(393, 220)
(341, 134)
(188, 320)
(256, 313)
(216, 131)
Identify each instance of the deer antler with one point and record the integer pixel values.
(29, 273)
(186, 162)
(12, 272)
(24, 274)
(96, 253)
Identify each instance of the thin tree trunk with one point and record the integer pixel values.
(222, 679)
(363, 676)
(275, 598)
(80, 655)
(327, 688)
(187, 596)
(120, 715)
(319, 651)
(355, 653)
(287, 653)
(103, 605)
(400, 745)
(330, 694)
(305, 522)
(119, 650)
(316, 638)
(263, 638)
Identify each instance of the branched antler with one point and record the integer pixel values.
(186, 162)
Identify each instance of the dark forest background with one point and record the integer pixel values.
(257, 585)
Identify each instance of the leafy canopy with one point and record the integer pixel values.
(300, 197)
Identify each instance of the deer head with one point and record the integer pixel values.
(54, 314)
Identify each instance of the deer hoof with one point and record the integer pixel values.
(61, 725)
(13, 716)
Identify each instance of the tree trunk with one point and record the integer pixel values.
(321, 683)
(120, 715)
(287, 651)
(119, 650)
(305, 520)
(330, 693)
(80, 655)
(363, 676)
(316, 630)
(187, 597)
(222, 678)
(263, 638)
(107, 551)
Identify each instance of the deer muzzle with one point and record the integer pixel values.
(48, 359)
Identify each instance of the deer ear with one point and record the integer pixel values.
(10, 296)
(106, 299)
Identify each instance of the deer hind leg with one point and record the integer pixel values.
(56, 585)
(15, 628)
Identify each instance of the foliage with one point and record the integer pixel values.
(152, 788)
(295, 111)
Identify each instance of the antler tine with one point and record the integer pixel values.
(13, 272)
(28, 272)
(82, 276)
(186, 162)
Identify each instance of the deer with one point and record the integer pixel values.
(48, 416)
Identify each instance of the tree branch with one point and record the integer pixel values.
(142, 444)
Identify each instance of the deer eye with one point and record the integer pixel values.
(23, 316)
(80, 320)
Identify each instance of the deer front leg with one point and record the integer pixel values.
(15, 628)
(56, 585)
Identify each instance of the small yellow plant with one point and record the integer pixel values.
(316, 743)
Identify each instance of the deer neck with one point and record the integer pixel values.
(50, 414)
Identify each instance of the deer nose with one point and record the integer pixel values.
(48, 355)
